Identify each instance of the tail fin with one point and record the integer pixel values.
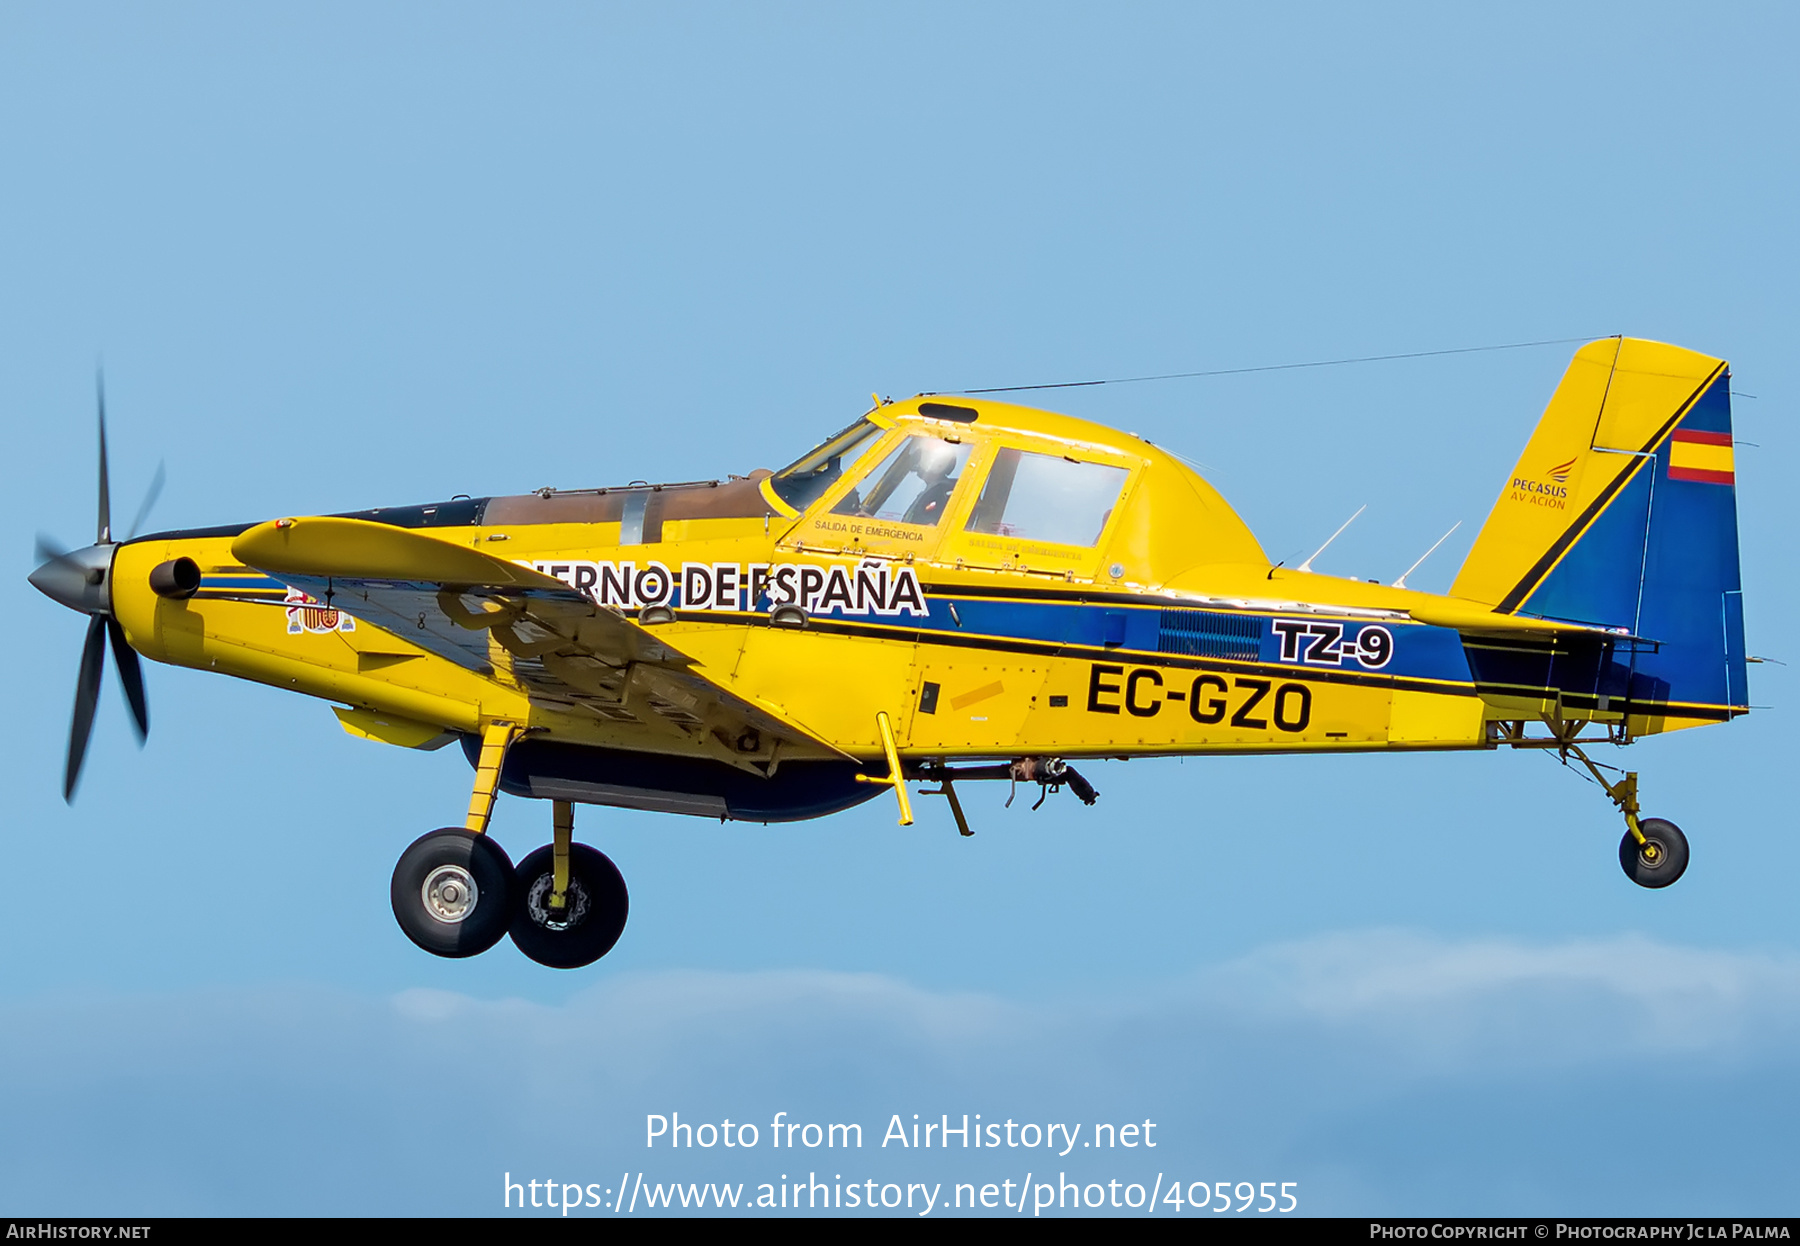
(1622, 513)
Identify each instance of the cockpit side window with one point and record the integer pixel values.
(805, 481)
(1043, 497)
(912, 485)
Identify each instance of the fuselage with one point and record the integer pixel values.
(1158, 628)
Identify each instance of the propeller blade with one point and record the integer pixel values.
(87, 695)
(105, 525)
(131, 676)
(48, 552)
(150, 495)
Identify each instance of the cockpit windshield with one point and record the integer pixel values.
(802, 483)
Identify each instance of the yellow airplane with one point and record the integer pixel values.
(948, 589)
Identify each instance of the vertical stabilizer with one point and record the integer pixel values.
(1622, 514)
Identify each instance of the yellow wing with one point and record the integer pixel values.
(524, 630)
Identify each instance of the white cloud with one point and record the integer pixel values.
(1460, 998)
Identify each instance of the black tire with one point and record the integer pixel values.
(599, 905)
(1660, 860)
(429, 892)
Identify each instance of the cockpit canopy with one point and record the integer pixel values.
(1040, 497)
(1007, 488)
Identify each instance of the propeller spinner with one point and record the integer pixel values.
(81, 580)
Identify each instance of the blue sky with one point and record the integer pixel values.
(337, 257)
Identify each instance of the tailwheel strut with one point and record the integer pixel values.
(1654, 852)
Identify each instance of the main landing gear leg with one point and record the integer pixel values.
(572, 901)
(1654, 852)
(496, 738)
(562, 831)
(453, 888)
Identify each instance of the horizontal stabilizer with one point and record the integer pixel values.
(1478, 619)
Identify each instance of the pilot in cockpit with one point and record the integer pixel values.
(936, 468)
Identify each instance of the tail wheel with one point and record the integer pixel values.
(1660, 859)
(590, 922)
(453, 891)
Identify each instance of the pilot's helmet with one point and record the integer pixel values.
(936, 460)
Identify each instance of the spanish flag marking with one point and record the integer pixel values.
(1701, 457)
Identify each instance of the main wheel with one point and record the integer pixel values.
(453, 891)
(1660, 859)
(588, 926)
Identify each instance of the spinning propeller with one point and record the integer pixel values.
(81, 580)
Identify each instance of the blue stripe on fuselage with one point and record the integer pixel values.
(1419, 651)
